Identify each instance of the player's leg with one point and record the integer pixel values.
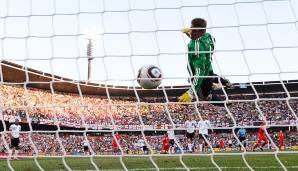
(198, 78)
(189, 137)
(241, 140)
(205, 92)
(223, 81)
(172, 143)
(166, 148)
(244, 142)
(199, 72)
(14, 145)
(201, 143)
(258, 143)
(145, 149)
(214, 80)
(221, 147)
(205, 145)
(17, 142)
(115, 149)
(191, 142)
(206, 87)
(265, 141)
(86, 150)
(281, 143)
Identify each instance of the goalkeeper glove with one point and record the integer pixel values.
(187, 96)
(185, 30)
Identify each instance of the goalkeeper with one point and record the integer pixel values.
(200, 51)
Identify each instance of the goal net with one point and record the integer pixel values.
(70, 99)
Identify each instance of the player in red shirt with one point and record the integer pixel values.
(221, 144)
(165, 144)
(281, 139)
(114, 143)
(261, 137)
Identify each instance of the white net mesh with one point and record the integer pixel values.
(81, 111)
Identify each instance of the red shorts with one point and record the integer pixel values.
(166, 147)
(262, 138)
(115, 147)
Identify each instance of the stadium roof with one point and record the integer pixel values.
(16, 74)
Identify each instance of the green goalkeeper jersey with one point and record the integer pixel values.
(200, 58)
(200, 52)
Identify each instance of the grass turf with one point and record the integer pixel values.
(225, 162)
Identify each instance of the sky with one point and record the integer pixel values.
(255, 40)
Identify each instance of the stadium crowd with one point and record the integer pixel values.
(93, 112)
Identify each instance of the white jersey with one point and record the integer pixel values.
(171, 134)
(141, 142)
(15, 130)
(204, 126)
(190, 126)
(85, 143)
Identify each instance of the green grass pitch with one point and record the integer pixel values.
(226, 162)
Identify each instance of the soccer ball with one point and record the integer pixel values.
(147, 75)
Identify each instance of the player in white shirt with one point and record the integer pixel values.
(171, 135)
(15, 137)
(190, 126)
(143, 145)
(86, 147)
(230, 143)
(203, 126)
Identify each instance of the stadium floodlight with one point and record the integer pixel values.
(91, 35)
